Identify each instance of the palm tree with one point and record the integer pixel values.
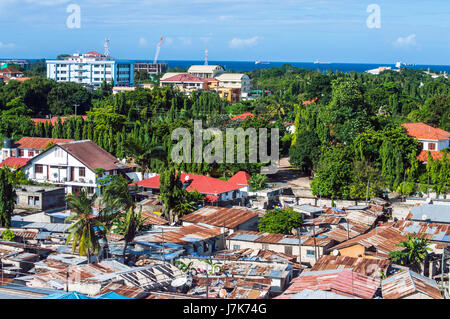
(83, 230)
(145, 152)
(416, 249)
(184, 208)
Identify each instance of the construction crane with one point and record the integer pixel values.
(206, 56)
(157, 50)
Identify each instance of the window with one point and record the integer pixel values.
(431, 146)
(288, 250)
(236, 247)
(30, 153)
(82, 172)
(310, 253)
(265, 246)
(21, 153)
(59, 152)
(39, 169)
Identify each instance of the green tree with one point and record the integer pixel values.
(415, 250)
(83, 232)
(7, 197)
(280, 221)
(258, 182)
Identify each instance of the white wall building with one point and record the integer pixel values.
(235, 81)
(72, 166)
(206, 71)
(91, 69)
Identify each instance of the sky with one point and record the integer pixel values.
(358, 31)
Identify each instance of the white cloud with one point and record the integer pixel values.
(167, 41)
(185, 41)
(237, 43)
(7, 45)
(142, 42)
(403, 42)
(47, 2)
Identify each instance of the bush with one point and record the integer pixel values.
(8, 235)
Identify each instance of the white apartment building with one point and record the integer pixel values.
(91, 69)
(72, 165)
(235, 81)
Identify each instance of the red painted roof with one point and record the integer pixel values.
(242, 116)
(184, 77)
(14, 162)
(309, 101)
(39, 143)
(203, 184)
(240, 178)
(423, 156)
(10, 70)
(425, 132)
(54, 119)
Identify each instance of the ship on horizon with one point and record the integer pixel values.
(320, 62)
(259, 62)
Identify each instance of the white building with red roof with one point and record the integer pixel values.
(217, 191)
(433, 139)
(186, 82)
(26, 148)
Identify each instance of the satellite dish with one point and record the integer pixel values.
(424, 217)
(428, 200)
(179, 282)
(222, 293)
(186, 178)
(335, 252)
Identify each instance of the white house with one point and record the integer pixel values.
(71, 165)
(433, 139)
(235, 81)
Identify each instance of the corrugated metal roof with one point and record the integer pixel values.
(256, 237)
(432, 213)
(341, 281)
(221, 216)
(406, 282)
(366, 266)
(430, 231)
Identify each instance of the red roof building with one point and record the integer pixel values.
(433, 139)
(213, 188)
(54, 119)
(14, 162)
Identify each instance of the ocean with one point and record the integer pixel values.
(241, 66)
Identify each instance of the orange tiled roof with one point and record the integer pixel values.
(423, 156)
(14, 162)
(425, 131)
(38, 142)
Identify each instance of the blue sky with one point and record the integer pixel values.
(239, 30)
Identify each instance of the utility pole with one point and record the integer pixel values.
(67, 278)
(367, 191)
(299, 246)
(164, 254)
(76, 107)
(315, 246)
(348, 229)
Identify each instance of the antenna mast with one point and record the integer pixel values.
(107, 47)
(157, 50)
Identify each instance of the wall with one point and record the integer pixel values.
(327, 202)
(354, 251)
(307, 259)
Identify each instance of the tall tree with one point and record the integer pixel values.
(83, 232)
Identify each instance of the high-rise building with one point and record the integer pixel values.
(91, 69)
